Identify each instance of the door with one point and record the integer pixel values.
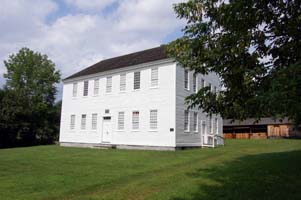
(106, 130)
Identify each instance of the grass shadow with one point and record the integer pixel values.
(261, 177)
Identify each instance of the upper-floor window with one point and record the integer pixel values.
(120, 121)
(94, 121)
(195, 122)
(195, 82)
(96, 86)
(109, 84)
(154, 77)
(186, 120)
(83, 121)
(122, 82)
(74, 91)
(186, 79)
(135, 120)
(86, 88)
(72, 121)
(136, 80)
(202, 83)
(153, 119)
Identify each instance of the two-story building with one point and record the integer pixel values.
(137, 101)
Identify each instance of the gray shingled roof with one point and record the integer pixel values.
(252, 121)
(136, 58)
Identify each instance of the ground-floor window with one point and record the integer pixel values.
(83, 121)
(153, 121)
(120, 121)
(135, 120)
(94, 121)
(72, 122)
(186, 121)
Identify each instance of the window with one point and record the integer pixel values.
(202, 83)
(136, 80)
(72, 122)
(195, 81)
(74, 92)
(210, 87)
(154, 77)
(186, 121)
(135, 120)
(109, 84)
(122, 82)
(153, 119)
(120, 121)
(203, 127)
(195, 122)
(86, 86)
(186, 79)
(107, 111)
(216, 125)
(94, 121)
(96, 86)
(83, 122)
(210, 124)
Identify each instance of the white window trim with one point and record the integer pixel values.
(94, 89)
(188, 122)
(151, 81)
(197, 122)
(195, 83)
(96, 120)
(120, 130)
(132, 127)
(122, 91)
(72, 125)
(74, 90)
(139, 81)
(85, 96)
(107, 81)
(153, 129)
(188, 80)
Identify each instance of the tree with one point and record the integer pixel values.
(255, 48)
(28, 103)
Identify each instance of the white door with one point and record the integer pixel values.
(106, 130)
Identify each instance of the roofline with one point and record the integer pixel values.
(139, 66)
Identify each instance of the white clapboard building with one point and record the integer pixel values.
(137, 101)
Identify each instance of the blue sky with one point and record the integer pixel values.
(77, 33)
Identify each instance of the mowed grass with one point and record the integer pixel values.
(242, 169)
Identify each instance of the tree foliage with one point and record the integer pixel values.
(28, 112)
(253, 46)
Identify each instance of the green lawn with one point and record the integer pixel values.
(243, 169)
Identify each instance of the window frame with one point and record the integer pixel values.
(122, 82)
(96, 87)
(135, 81)
(134, 128)
(195, 83)
(186, 79)
(86, 88)
(74, 89)
(188, 121)
(94, 118)
(118, 121)
(83, 122)
(195, 122)
(154, 79)
(153, 122)
(72, 121)
(109, 84)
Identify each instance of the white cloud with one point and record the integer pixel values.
(75, 41)
(89, 5)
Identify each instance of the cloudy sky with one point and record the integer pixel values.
(77, 33)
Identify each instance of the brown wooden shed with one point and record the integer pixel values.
(260, 129)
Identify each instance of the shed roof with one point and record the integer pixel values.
(136, 58)
(253, 121)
